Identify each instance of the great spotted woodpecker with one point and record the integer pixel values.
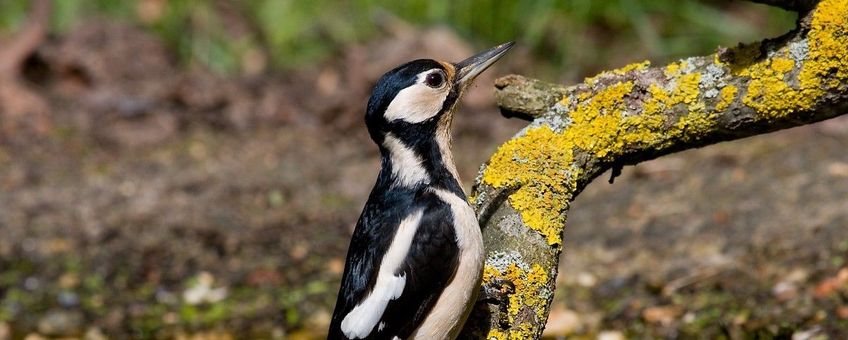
(415, 259)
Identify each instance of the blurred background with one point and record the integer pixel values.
(194, 169)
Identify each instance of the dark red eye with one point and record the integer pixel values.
(434, 80)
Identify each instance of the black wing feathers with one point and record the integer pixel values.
(371, 238)
(429, 267)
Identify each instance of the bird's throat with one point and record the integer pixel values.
(444, 143)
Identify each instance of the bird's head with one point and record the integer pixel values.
(413, 100)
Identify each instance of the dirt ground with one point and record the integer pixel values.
(142, 198)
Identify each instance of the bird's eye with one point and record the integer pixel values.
(435, 80)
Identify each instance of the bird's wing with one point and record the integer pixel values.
(429, 266)
(371, 238)
(405, 282)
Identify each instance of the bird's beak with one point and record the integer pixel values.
(468, 69)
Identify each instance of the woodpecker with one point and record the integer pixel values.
(415, 260)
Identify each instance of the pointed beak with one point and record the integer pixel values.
(470, 68)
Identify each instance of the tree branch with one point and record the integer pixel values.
(626, 116)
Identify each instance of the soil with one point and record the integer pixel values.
(151, 199)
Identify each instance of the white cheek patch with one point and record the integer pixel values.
(364, 317)
(417, 103)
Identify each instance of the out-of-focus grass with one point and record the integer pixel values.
(582, 34)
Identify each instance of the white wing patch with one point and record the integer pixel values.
(406, 165)
(361, 320)
(417, 103)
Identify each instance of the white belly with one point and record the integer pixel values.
(454, 304)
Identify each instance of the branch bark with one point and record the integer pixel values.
(627, 116)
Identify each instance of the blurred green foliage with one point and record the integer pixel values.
(583, 34)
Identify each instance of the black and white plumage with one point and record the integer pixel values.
(416, 256)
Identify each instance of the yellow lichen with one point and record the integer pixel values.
(528, 284)
(598, 116)
(518, 332)
(673, 70)
(687, 89)
(828, 44)
(539, 161)
(726, 97)
(769, 90)
(619, 71)
(496, 334)
(782, 65)
(632, 67)
(693, 125)
(542, 166)
(772, 90)
(657, 101)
